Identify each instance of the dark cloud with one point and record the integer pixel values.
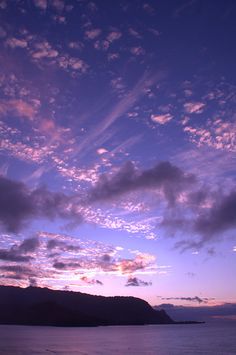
(24, 272)
(29, 245)
(106, 258)
(17, 252)
(206, 223)
(18, 272)
(16, 269)
(91, 281)
(134, 281)
(66, 266)
(165, 177)
(189, 299)
(13, 255)
(18, 205)
(15, 204)
(220, 217)
(63, 246)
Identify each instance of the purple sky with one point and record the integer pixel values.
(117, 150)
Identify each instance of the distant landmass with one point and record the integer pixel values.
(42, 306)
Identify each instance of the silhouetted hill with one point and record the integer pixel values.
(41, 306)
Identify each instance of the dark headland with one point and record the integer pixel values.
(42, 306)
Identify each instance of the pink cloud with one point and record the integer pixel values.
(49, 128)
(94, 33)
(219, 135)
(137, 51)
(44, 50)
(113, 36)
(19, 108)
(67, 62)
(162, 119)
(58, 4)
(113, 56)
(134, 33)
(42, 4)
(194, 107)
(16, 42)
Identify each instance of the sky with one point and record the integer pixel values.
(117, 149)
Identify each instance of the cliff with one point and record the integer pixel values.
(42, 306)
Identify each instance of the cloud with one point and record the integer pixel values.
(62, 246)
(43, 50)
(134, 281)
(54, 260)
(194, 107)
(220, 217)
(58, 4)
(29, 245)
(164, 176)
(141, 262)
(91, 281)
(19, 272)
(137, 51)
(66, 62)
(93, 33)
(218, 134)
(148, 8)
(154, 31)
(17, 252)
(134, 33)
(42, 4)
(146, 81)
(16, 42)
(189, 299)
(13, 255)
(212, 215)
(66, 266)
(19, 108)
(114, 36)
(162, 119)
(3, 4)
(18, 204)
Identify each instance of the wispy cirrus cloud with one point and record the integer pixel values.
(120, 108)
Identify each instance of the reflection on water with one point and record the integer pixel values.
(148, 340)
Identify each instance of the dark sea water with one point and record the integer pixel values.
(159, 339)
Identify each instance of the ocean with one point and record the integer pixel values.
(212, 338)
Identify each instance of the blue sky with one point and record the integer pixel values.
(117, 151)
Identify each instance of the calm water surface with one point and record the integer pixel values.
(162, 340)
